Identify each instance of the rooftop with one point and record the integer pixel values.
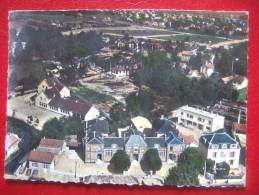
(75, 106)
(51, 143)
(200, 112)
(217, 138)
(40, 156)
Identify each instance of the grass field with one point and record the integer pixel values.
(90, 95)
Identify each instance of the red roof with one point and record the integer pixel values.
(11, 139)
(187, 138)
(74, 106)
(239, 128)
(51, 143)
(42, 157)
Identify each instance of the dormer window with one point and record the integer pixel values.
(114, 145)
(214, 146)
(224, 146)
(156, 146)
(233, 146)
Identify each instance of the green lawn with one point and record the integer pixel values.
(242, 94)
(90, 95)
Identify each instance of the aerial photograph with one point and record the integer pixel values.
(127, 97)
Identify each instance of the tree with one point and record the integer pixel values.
(151, 161)
(120, 162)
(140, 103)
(119, 117)
(189, 166)
(181, 176)
(222, 169)
(192, 159)
(59, 128)
(210, 166)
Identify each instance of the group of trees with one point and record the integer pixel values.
(49, 43)
(190, 164)
(121, 162)
(59, 128)
(162, 78)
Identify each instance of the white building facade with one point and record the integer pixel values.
(220, 147)
(195, 118)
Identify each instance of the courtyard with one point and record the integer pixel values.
(19, 107)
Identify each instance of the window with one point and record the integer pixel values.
(191, 116)
(224, 146)
(231, 162)
(181, 113)
(199, 119)
(233, 146)
(208, 128)
(232, 154)
(214, 146)
(156, 146)
(46, 166)
(200, 127)
(108, 153)
(34, 164)
(214, 154)
(209, 122)
(114, 145)
(187, 115)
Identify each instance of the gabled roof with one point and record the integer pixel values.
(51, 143)
(40, 156)
(173, 139)
(152, 141)
(75, 106)
(94, 138)
(136, 140)
(109, 141)
(10, 140)
(217, 139)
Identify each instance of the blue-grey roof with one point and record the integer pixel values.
(94, 138)
(99, 125)
(136, 140)
(151, 141)
(173, 139)
(168, 126)
(217, 139)
(109, 141)
(130, 131)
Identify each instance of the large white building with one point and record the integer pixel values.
(220, 147)
(195, 118)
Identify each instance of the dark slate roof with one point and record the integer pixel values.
(151, 141)
(108, 141)
(173, 139)
(217, 139)
(75, 106)
(130, 131)
(167, 126)
(94, 138)
(100, 125)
